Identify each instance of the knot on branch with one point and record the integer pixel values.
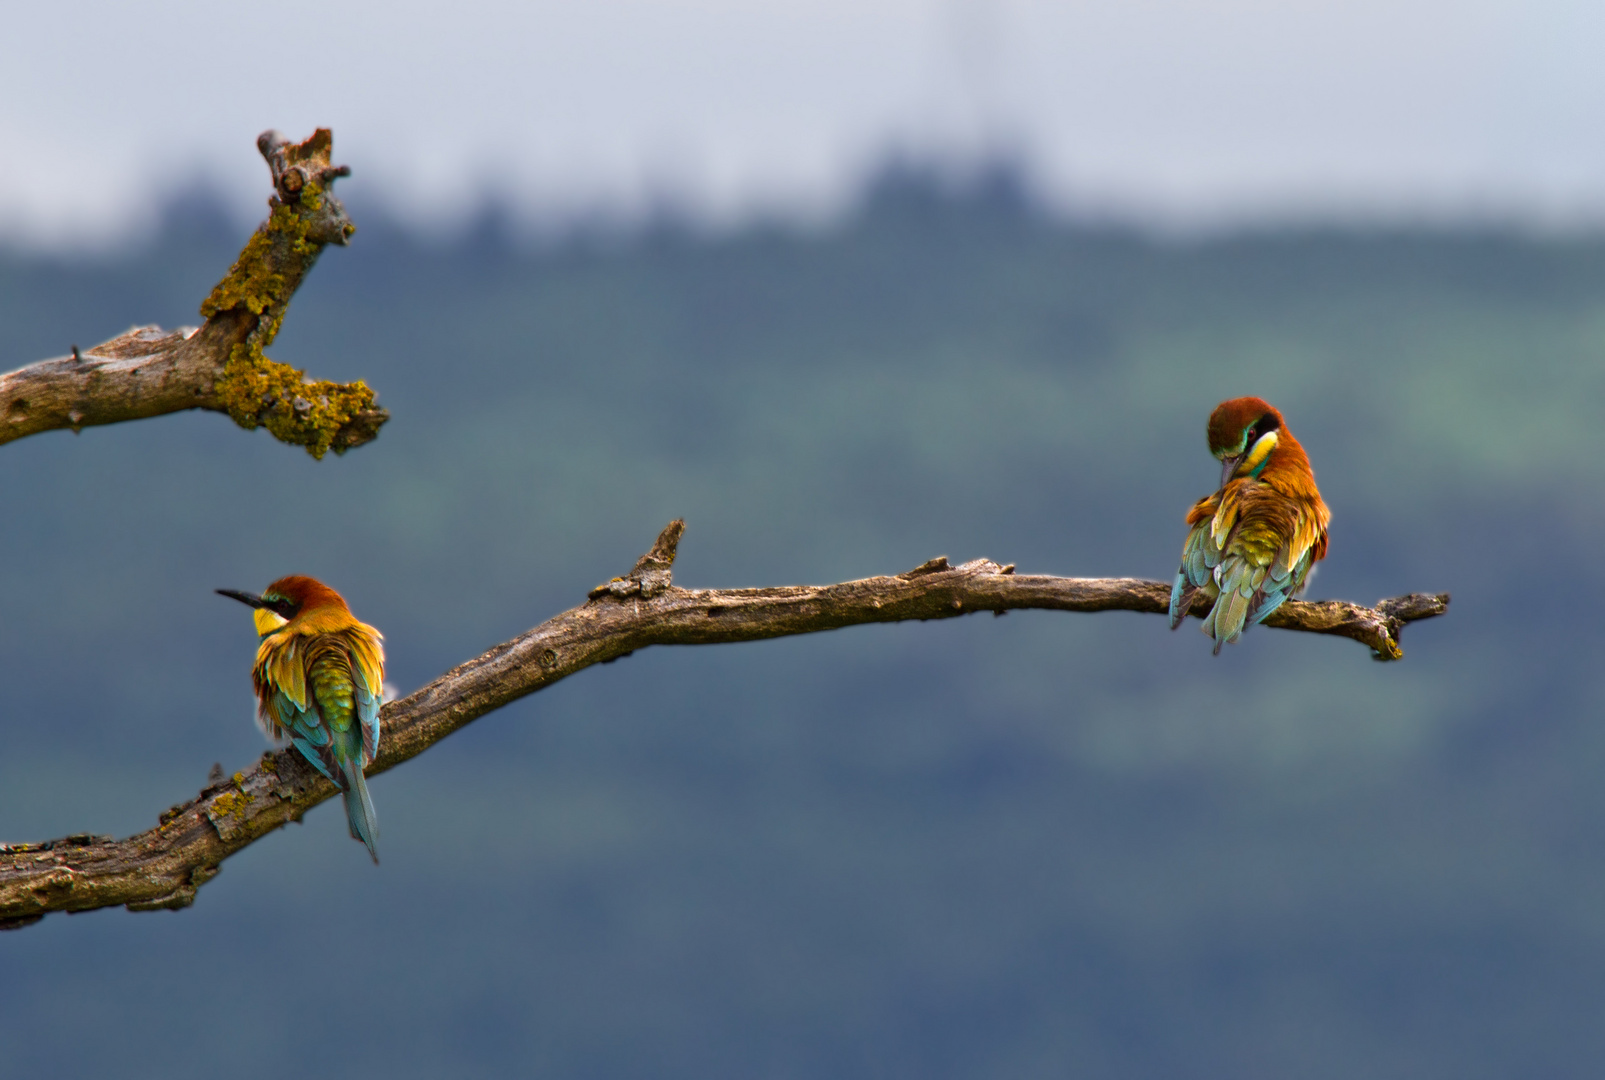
(653, 572)
(931, 566)
(940, 565)
(303, 176)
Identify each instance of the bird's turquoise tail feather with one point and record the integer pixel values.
(360, 815)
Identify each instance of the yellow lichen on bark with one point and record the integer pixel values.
(259, 391)
(232, 804)
(258, 280)
(256, 390)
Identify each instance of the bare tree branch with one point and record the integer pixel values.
(163, 867)
(148, 372)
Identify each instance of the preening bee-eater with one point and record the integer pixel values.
(319, 679)
(1254, 540)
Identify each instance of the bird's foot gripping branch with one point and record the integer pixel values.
(221, 366)
(163, 867)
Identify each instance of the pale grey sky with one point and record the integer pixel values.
(1192, 112)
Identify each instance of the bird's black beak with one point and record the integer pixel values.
(1228, 466)
(243, 597)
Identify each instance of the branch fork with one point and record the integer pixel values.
(220, 366)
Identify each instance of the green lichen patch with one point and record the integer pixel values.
(319, 415)
(269, 269)
(231, 804)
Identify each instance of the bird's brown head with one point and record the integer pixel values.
(1242, 434)
(286, 598)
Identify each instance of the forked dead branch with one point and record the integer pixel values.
(221, 366)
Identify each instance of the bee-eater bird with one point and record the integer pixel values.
(319, 679)
(1254, 540)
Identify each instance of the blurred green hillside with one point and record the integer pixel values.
(1043, 845)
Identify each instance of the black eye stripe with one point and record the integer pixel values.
(1258, 430)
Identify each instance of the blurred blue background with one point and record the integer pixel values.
(1042, 845)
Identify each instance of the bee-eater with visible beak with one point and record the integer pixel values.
(319, 680)
(1254, 540)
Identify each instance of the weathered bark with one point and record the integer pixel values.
(163, 867)
(221, 367)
